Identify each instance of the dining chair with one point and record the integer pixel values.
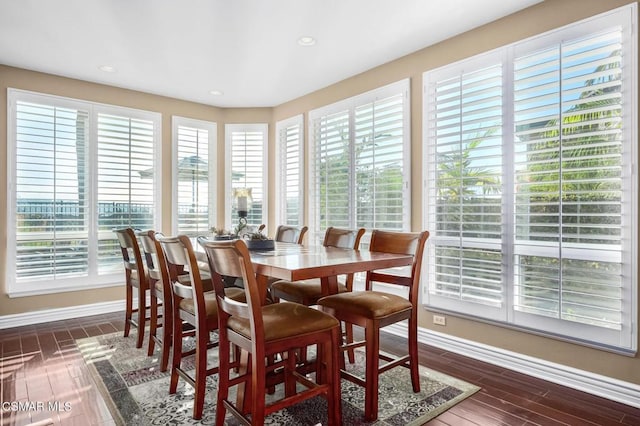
(194, 305)
(262, 332)
(290, 233)
(135, 278)
(373, 310)
(160, 295)
(309, 291)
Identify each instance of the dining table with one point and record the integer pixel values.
(296, 262)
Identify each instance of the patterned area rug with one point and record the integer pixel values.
(138, 393)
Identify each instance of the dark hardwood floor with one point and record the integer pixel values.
(41, 364)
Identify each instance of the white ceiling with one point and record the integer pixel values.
(246, 49)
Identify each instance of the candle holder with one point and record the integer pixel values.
(242, 201)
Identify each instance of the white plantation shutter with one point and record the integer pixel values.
(52, 215)
(465, 182)
(77, 170)
(569, 181)
(379, 160)
(289, 163)
(361, 162)
(194, 175)
(537, 227)
(125, 194)
(246, 145)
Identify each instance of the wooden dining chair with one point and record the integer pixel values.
(135, 278)
(373, 310)
(290, 233)
(160, 295)
(193, 305)
(262, 332)
(309, 291)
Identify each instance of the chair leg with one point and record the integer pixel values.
(202, 341)
(224, 368)
(167, 327)
(413, 354)
(177, 353)
(371, 374)
(332, 375)
(348, 331)
(258, 384)
(153, 324)
(142, 316)
(128, 310)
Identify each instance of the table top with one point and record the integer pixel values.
(294, 262)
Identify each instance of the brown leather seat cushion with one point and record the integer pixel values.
(207, 283)
(284, 320)
(301, 289)
(210, 302)
(368, 304)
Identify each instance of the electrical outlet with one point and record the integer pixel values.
(439, 320)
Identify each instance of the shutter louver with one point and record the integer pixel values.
(290, 173)
(248, 168)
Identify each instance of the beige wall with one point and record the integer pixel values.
(543, 17)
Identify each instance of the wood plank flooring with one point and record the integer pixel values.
(40, 364)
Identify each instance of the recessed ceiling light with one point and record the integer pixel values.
(306, 41)
(107, 68)
(216, 92)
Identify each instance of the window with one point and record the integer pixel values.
(246, 148)
(360, 162)
(76, 171)
(532, 184)
(194, 177)
(289, 164)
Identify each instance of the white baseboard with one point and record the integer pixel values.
(48, 315)
(595, 384)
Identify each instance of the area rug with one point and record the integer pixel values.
(137, 393)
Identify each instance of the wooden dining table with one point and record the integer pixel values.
(295, 262)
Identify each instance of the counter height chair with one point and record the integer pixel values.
(193, 305)
(290, 234)
(376, 309)
(262, 332)
(135, 278)
(160, 294)
(308, 292)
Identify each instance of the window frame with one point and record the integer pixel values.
(92, 279)
(212, 130)
(623, 341)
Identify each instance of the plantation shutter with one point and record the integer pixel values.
(569, 174)
(379, 161)
(125, 186)
(289, 171)
(332, 159)
(52, 215)
(248, 168)
(465, 213)
(193, 177)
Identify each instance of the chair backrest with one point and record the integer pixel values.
(343, 238)
(155, 259)
(131, 256)
(290, 234)
(181, 257)
(399, 243)
(232, 259)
